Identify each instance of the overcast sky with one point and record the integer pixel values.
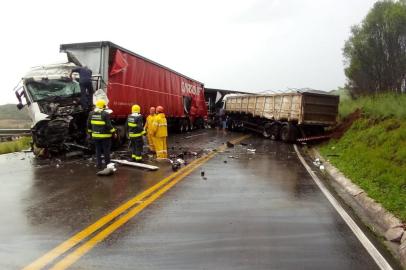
(241, 45)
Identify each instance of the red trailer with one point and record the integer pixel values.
(130, 79)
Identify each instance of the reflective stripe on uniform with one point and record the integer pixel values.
(136, 157)
(135, 135)
(112, 130)
(97, 122)
(97, 135)
(89, 130)
(132, 124)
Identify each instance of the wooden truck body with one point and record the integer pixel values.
(287, 116)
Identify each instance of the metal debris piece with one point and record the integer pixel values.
(135, 164)
(74, 154)
(109, 170)
(229, 144)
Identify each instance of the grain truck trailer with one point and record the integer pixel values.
(121, 77)
(284, 116)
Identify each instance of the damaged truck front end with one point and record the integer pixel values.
(53, 101)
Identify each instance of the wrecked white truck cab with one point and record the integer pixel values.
(53, 102)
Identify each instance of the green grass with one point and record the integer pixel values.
(15, 146)
(379, 106)
(372, 153)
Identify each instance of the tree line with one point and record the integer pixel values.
(375, 53)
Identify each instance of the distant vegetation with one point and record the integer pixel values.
(372, 153)
(11, 117)
(375, 53)
(15, 146)
(377, 106)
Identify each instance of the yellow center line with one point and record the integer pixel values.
(90, 244)
(80, 236)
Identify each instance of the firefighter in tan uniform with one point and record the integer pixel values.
(160, 132)
(149, 128)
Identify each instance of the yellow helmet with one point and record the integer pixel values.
(101, 104)
(135, 109)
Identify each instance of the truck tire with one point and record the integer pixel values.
(199, 123)
(288, 133)
(231, 125)
(275, 132)
(267, 132)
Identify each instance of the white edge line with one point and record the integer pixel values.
(378, 258)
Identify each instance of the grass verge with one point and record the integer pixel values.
(372, 153)
(15, 146)
(378, 106)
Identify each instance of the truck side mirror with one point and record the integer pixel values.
(20, 104)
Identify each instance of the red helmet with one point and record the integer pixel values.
(159, 109)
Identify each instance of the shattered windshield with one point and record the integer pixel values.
(52, 88)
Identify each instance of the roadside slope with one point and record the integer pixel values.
(372, 152)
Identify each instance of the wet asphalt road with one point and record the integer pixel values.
(256, 211)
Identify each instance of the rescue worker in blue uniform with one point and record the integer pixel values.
(135, 132)
(86, 87)
(101, 130)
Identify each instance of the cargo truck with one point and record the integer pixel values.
(121, 77)
(284, 116)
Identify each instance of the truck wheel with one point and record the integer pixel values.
(267, 132)
(288, 133)
(188, 126)
(275, 132)
(184, 125)
(181, 126)
(230, 125)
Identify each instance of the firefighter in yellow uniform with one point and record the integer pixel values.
(160, 132)
(149, 129)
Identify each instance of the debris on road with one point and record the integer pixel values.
(109, 170)
(191, 136)
(318, 164)
(229, 144)
(74, 154)
(135, 164)
(177, 164)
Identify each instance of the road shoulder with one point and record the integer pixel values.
(373, 214)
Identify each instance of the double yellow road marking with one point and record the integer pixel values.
(138, 203)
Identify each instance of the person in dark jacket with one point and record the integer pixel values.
(135, 133)
(101, 130)
(86, 86)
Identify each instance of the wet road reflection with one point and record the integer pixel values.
(254, 211)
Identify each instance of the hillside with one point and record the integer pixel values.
(372, 152)
(11, 117)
